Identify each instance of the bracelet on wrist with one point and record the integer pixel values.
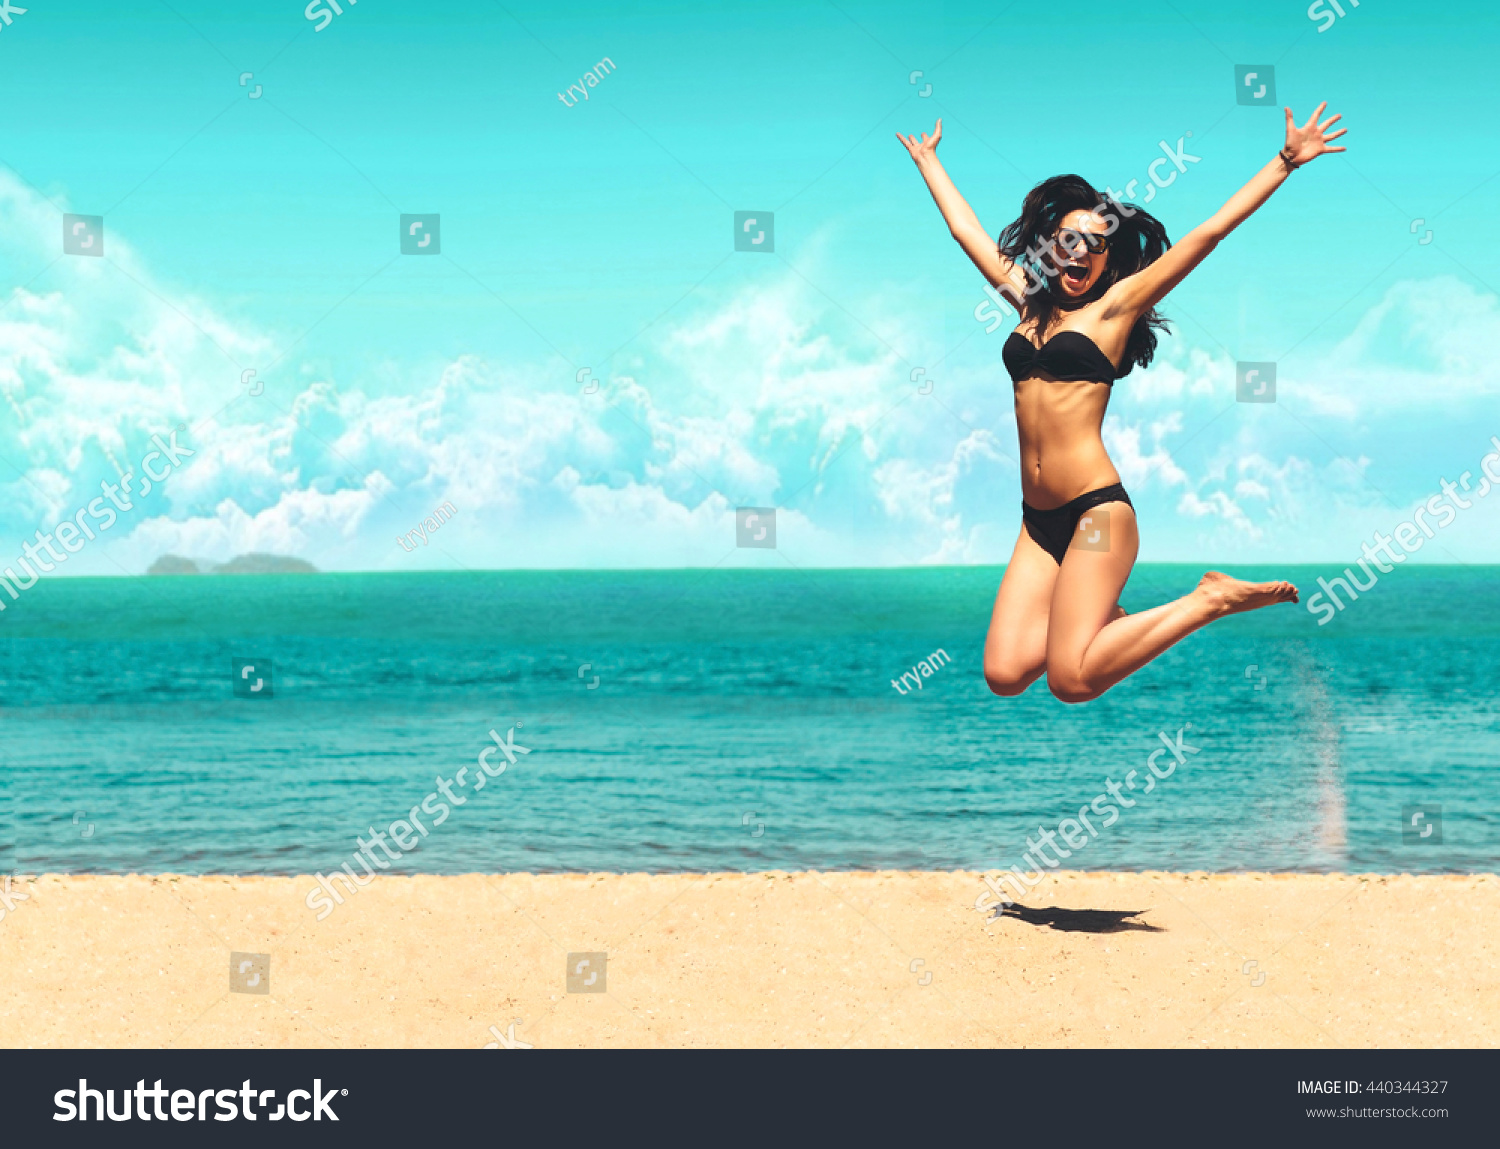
(1287, 161)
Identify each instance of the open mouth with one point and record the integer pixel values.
(1075, 274)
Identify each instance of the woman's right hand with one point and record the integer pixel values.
(926, 149)
(961, 220)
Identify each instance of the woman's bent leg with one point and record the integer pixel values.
(1087, 653)
(1015, 649)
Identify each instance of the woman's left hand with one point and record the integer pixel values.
(1311, 139)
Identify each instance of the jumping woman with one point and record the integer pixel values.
(1085, 274)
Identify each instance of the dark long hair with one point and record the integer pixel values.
(1137, 241)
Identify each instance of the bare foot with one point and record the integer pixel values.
(1228, 595)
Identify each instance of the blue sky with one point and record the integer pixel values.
(261, 234)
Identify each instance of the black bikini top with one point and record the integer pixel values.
(1068, 355)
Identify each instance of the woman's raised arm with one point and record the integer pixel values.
(961, 220)
(1147, 287)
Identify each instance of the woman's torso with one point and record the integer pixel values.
(1059, 421)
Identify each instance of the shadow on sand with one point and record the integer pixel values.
(1077, 921)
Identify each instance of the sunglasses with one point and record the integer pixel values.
(1081, 241)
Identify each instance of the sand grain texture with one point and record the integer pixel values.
(772, 959)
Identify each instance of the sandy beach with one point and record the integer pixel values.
(776, 959)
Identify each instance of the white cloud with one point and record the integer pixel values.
(1220, 504)
(769, 394)
(1138, 465)
(1427, 345)
(304, 522)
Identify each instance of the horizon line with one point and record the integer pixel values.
(1197, 565)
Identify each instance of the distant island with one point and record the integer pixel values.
(240, 564)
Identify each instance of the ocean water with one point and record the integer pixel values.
(727, 720)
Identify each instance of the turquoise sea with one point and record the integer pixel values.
(727, 720)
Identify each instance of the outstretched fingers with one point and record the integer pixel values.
(927, 144)
(1327, 135)
(913, 148)
(1313, 138)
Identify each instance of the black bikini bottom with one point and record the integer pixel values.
(1053, 530)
